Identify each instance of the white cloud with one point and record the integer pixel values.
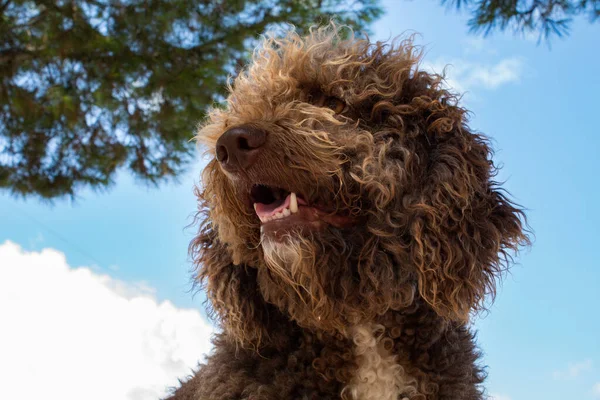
(573, 370)
(495, 396)
(71, 333)
(463, 75)
(493, 76)
(596, 390)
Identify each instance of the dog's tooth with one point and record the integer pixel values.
(286, 212)
(293, 203)
(279, 215)
(262, 229)
(254, 207)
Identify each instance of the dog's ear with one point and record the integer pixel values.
(464, 228)
(232, 290)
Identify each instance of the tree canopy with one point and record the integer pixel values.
(545, 18)
(91, 86)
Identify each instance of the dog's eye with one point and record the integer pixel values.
(337, 105)
(320, 99)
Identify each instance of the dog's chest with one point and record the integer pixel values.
(378, 376)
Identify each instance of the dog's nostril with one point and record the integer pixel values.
(222, 153)
(243, 144)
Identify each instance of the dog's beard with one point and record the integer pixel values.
(332, 279)
(310, 278)
(285, 257)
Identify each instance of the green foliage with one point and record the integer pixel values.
(90, 86)
(543, 17)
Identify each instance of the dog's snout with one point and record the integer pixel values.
(239, 147)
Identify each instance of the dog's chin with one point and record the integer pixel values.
(295, 277)
(292, 242)
(290, 258)
(283, 249)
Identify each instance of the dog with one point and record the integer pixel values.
(351, 227)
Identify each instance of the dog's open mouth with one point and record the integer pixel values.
(281, 210)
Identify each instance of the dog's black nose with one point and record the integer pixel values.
(239, 147)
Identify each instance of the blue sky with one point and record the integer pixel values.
(539, 104)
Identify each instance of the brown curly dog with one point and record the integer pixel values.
(351, 225)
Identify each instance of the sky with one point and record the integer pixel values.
(98, 289)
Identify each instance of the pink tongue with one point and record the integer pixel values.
(268, 210)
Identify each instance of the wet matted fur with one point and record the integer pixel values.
(376, 307)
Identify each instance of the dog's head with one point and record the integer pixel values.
(345, 182)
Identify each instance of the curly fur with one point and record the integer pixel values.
(378, 375)
(377, 310)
